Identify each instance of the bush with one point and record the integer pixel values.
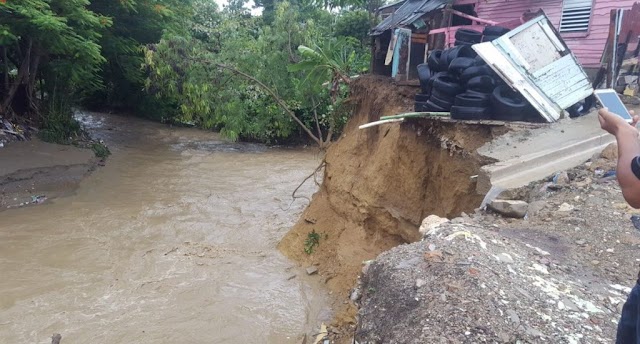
(59, 127)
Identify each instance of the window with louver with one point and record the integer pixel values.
(576, 15)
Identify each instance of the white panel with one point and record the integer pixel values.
(568, 4)
(533, 60)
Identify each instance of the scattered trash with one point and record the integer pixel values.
(321, 335)
(561, 178)
(635, 219)
(38, 199)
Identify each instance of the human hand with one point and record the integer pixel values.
(613, 123)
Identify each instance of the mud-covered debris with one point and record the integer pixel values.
(508, 208)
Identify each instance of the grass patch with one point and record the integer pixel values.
(312, 241)
(100, 150)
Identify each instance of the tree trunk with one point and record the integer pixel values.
(23, 74)
(5, 59)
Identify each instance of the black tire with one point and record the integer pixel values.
(460, 64)
(482, 95)
(424, 72)
(435, 61)
(428, 89)
(421, 97)
(469, 113)
(508, 105)
(440, 102)
(430, 106)
(468, 35)
(481, 83)
(494, 31)
(460, 51)
(458, 43)
(446, 84)
(473, 72)
(489, 38)
(420, 107)
(443, 96)
(472, 100)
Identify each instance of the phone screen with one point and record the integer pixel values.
(611, 101)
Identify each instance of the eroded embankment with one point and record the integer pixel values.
(380, 183)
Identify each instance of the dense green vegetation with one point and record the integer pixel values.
(280, 75)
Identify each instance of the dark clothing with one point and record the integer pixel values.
(629, 325)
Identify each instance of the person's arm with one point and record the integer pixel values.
(628, 149)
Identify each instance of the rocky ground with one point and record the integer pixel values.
(558, 275)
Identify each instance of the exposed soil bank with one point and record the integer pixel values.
(379, 183)
(34, 168)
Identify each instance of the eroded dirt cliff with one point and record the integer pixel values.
(379, 183)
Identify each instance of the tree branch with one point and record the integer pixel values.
(278, 100)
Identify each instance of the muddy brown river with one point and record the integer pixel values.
(173, 241)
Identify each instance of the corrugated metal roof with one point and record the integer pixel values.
(390, 5)
(409, 12)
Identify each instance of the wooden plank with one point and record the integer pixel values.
(475, 19)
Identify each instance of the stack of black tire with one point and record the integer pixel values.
(458, 81)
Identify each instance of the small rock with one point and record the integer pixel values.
(458, 221)
(508, 208)
(505, 258)
(534, 333)
(595, 262)
(355, 295)
(365, 266)
(504, 337)
(513, 316)
(610, 153)
(580, 242)
(561, 178)
(565, 207)
(575, 220)
(430, 223)
(420, 283)
(313, 270)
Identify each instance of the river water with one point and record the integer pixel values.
(173, 241)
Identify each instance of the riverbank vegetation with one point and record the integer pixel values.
(279, 75)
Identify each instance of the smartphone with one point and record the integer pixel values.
(609, 98)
